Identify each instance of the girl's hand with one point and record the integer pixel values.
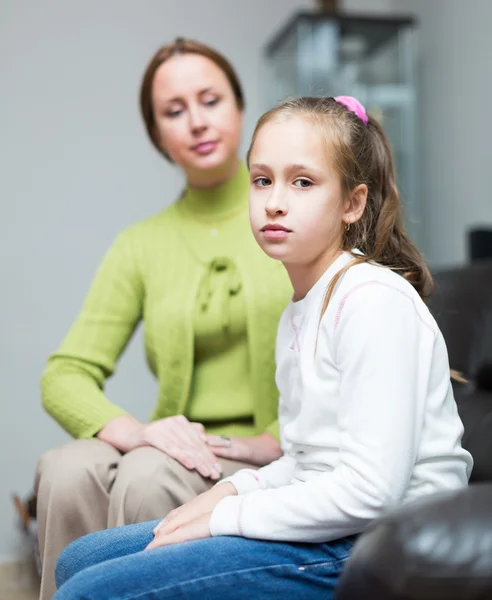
(195, 530)
(203, 504)
(259, 450)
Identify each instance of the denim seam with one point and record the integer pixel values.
(209, 577)
(312, 566)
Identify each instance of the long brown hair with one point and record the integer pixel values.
(178, 47)
(362, 155)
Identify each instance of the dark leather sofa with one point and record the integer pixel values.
(440, 547)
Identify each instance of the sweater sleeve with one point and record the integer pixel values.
(73, 381)
(276, 474)
(383, 354)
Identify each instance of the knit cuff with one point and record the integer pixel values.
(245, 481)
(88, 430)
(226, 517)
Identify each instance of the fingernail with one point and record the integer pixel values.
(218, 467)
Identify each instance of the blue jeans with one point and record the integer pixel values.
(111, 565)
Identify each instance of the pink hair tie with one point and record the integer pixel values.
(354, 106)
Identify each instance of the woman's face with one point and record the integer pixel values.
(197, 120)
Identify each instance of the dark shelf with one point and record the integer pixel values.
(381, 29)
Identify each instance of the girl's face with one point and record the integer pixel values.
(198, 122)
(297, 211)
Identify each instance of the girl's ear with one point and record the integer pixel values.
(355, 204)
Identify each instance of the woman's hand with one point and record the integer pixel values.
(184, 441)
(259, 450)
(203, 504)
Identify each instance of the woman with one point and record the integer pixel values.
(210, 301)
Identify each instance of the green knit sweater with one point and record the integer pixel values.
(165, 272)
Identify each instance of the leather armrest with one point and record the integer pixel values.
(437, 548)
(475, 409)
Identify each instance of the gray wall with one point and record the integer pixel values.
(455, 78)
(455, 69)
(76, 168)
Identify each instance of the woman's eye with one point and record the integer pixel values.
(303, 183)
(211, 102)
(262, 181)
(174, 113)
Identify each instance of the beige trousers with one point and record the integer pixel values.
(88, 485)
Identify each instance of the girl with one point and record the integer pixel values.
(367, 414)
(210, 301)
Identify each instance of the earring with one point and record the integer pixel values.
(347, 226)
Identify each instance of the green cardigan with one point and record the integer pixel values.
(155, 271)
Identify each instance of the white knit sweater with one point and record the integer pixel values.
(367, 414)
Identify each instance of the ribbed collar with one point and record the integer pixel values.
(311, 299)
(221, 202)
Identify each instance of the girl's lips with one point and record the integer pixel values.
(205, 148)
(275, 232)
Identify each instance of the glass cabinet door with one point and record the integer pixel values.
(327, 54)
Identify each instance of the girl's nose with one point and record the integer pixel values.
(275, 206)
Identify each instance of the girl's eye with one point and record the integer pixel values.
(211, 102)
(303, 183)
(262, 181)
